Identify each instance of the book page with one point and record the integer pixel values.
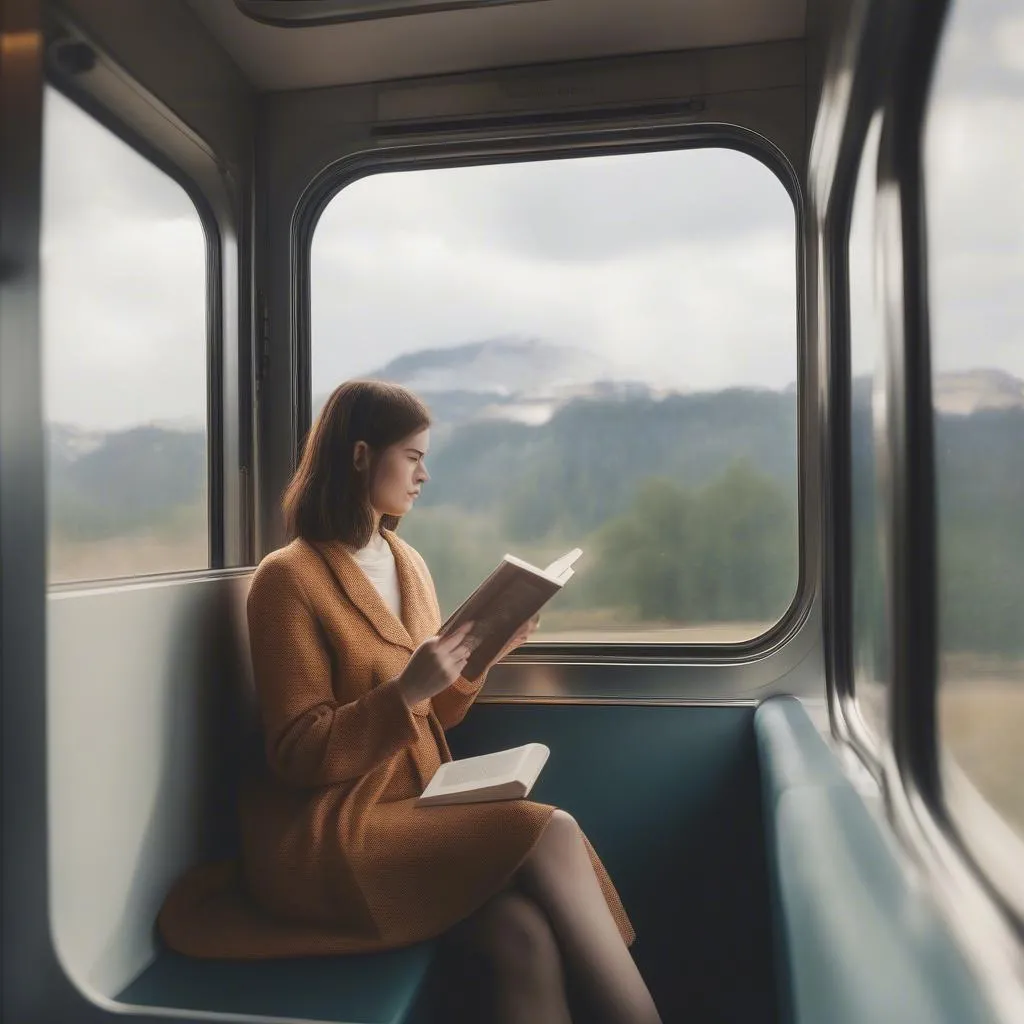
(481, 769)
(501, 775)
(561, 568)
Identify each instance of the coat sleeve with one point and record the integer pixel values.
(452, 703)
(311, 739)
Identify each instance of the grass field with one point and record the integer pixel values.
(118, 557)
(981, 723)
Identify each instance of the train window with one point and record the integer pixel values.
(866, 348)
(125, 357)
(609, 347)
(974, 178)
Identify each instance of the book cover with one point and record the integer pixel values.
(513, 593)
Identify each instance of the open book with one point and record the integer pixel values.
(503, 775)
(513, 593)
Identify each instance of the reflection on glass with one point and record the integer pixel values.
(870, 626)
(124, 347)
(608, 347)
(974, 166)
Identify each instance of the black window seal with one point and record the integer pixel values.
(568, 144)
(865, 62)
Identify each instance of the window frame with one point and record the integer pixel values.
(568, 145)
(150, 151)
(868, 742)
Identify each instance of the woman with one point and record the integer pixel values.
(355, 692)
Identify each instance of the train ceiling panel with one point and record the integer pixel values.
(428, 41)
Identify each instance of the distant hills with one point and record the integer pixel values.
(528, 380)
(975, 390)
(538, 434)
(106, 484)
(499, 366)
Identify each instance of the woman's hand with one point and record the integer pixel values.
(435, 665)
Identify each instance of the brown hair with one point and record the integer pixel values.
(327, 498)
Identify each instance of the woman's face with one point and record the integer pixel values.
(399, 475)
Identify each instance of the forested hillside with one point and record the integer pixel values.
(685, 504)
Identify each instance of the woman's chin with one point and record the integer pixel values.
(400, 509)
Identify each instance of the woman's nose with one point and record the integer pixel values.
(424, 476)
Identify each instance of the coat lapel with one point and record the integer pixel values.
(363, 594)
(416, 623)
(417, 600)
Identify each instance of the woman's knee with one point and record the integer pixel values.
(555, 850)
(562, 825)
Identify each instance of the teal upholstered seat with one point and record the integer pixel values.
(374, 989)
(856, 941)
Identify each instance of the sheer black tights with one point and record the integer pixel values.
(547, 949)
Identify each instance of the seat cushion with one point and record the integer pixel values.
(379, 988)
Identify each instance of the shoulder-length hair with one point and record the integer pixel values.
(327, 498)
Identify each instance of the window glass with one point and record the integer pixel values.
(125, 357)
(870, 625)
(608, 346)
(974, 177)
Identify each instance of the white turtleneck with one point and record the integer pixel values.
(378, 562)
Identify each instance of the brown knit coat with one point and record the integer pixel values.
(336, 858)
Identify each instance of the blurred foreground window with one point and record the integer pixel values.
(974, 175)
(125, 357)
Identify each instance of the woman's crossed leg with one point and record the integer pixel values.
(559, 875)
(551, 932)
(502, 965)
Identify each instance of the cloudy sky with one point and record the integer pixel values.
(677, 267)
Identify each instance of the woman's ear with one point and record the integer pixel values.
(361, 456)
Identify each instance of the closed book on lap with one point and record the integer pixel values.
(503, 775)
(513, 593)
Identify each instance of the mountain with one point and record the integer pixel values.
(66, 444)
(520, 379)
(973, 390)
(963, 392)
(106, 484)
(502, 367)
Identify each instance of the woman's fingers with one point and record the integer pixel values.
(452, 663)
(453, 640)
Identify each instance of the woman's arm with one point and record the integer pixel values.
(311, 739)
(452, 703)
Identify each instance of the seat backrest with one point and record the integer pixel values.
(857, 941)
(150, 725)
